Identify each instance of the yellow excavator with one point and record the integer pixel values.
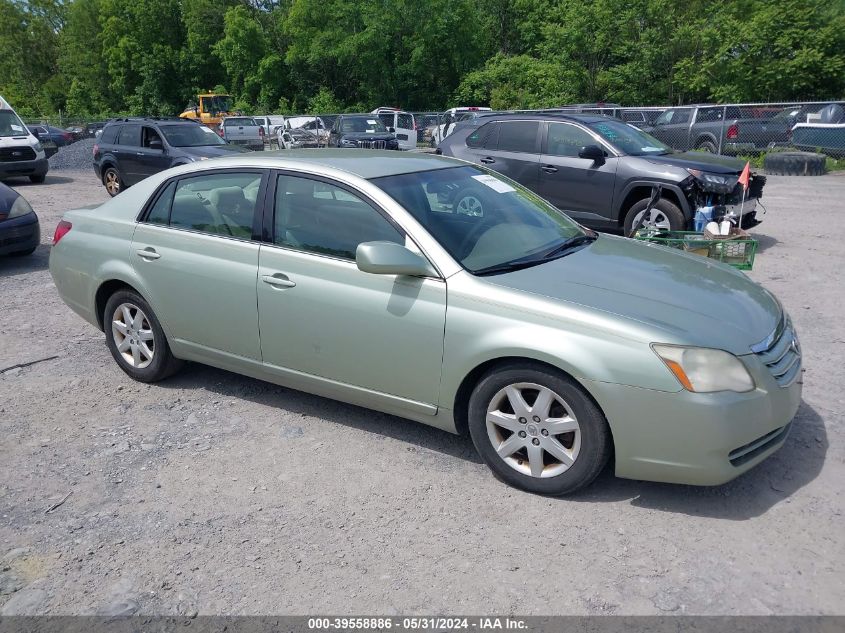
(212, 108)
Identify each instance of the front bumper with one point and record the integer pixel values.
(698, 439)
(35, 167)
(19, 234)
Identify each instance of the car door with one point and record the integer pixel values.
(406, 132)
(580, 187)
(197, 261)
(127, 150)
(322, 318)
(512, 149)
(150, 160)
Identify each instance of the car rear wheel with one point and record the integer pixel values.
(112, 181)
(538, 430)
(663, 215)
(707, 146)
(38, 179)
(135, 338)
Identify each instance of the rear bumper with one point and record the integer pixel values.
(698, 439)
(36, 167)
(19, 234)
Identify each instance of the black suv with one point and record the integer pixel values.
(601, 170)
(362, 130)
(129, 150)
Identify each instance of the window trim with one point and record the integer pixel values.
(258, 213)
(269, 226)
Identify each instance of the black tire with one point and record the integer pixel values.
(794, 164)
(163, 363)
(676, 218)
(707, 146)
(113, 181)
(38, 178)
(595, 440)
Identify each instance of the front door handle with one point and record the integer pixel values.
(549, 169)
(487, 160)
(148, 253)
(278, 280)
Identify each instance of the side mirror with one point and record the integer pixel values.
(593, 153)
(392, 130)
(390, 258)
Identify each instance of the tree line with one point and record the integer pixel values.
(89, 58)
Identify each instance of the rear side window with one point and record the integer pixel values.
(109, 134)
(518, 136)
(130, 135)
(486, 136)
(160, 213)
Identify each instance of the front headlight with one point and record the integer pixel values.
(38, 147)
(19, 207)
(705, 370)
(714, 179)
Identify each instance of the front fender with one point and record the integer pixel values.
(667, 185)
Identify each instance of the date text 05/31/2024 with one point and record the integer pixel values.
(415, 624)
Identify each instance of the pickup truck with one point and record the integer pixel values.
(719, 129)
(242, 130)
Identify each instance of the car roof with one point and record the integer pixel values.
(546, 116)
(365, 163)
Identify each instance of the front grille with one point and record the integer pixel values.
(13, 154)
(749, 451)
(372, 144)
(781, 353)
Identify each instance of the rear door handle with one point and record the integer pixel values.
(487, 160)
(549, 169)
(279, 280)
(148, 253)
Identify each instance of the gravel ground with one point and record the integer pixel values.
(78, 155)
(215, 493)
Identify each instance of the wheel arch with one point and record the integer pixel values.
(639, 190)
(106, 290)
(705, 137)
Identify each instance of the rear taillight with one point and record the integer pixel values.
(62, 229)
(733, 131)
(67, 136)
(96, 150)
(261, 132)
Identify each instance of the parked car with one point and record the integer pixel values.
(242, 130)
(723, 129)
(316, 127)
(56, 135)
(129, 150)
(641, 118)
(40, 132)
(363, 131)
(559, 348)
(21, 153)
(826, 135)
(92, 130)
(76, 133)
(401, 123)
(296, 138)
(601, 171)
(449, 119)
(20, 232)
(269, 123)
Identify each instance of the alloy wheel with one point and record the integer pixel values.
(533, 430)
(133, 335)
(112, 182)
(469, 205)
(653, 219)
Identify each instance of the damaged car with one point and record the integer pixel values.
(601, 171)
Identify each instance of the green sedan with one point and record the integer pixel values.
(356, 275)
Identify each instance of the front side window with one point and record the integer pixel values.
(150, 137)
(486, 222)
(322, 218)
(629, 139)
(567, 140)
(518, 136)
(220, 204)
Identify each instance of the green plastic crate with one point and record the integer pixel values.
(737, 252)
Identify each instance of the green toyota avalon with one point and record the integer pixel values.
(355, 275)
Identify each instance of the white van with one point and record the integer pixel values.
(21, 154)
(403, 124)
(450, 118)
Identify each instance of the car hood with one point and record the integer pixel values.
(691, 300)
(712, 163)
(213, 151)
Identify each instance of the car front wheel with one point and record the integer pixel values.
(112, 181)
(663, 215)
(135, 338)
(538, 430)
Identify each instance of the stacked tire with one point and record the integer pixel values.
(794, 164)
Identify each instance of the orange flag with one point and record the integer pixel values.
(745, 176)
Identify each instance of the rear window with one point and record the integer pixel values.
(518, 136)
(240, 121)
(109, 134)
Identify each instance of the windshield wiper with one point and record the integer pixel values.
(571, 243)
(508, 267)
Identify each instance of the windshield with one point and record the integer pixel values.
(363, 125)
(629, 139)
(10, 124)
(484, 220)
(221, 103)
(183, 135)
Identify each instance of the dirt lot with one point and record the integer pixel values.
(221, 494)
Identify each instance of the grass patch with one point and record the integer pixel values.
(756, 160)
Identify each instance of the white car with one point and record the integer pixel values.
(451, 117)
(403, 124)
(21, 153)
